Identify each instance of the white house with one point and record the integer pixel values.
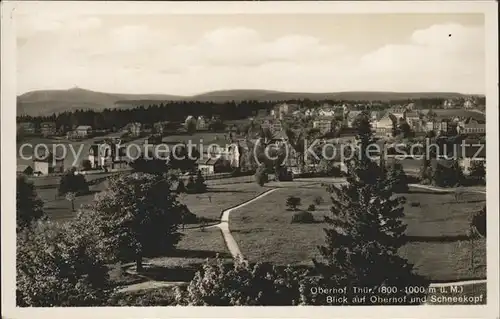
(48, 164)
(326, 111)
(384, 126)
(83, 131)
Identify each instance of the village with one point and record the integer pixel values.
(328, 121)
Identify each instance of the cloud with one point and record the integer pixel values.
(449, 54)
(450, 38)
(34, 24)
(245, 47)
(140, 58)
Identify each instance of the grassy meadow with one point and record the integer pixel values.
(438, 245)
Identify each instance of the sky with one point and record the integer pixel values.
(187, 54)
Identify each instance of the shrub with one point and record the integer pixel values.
(163, 296)
(188, 217)
(303, 217)
(292, 202)
(86, 165)
(239, 284)
(60, 265)
(199, 184)
(448, 176)
(181, 188)
(318, 200)
(479, 222)
(74, 183)
(261, 175)
(329, 168)
(191, 185)
(311, 207)
(282, 174)
(397, 179)
(478, 171)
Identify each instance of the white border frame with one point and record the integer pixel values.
(8, 161)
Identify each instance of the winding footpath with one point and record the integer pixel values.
(231, 244)
(233, 248)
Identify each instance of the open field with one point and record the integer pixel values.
(195, 247)
(204, 138)
(264, 232)
(209, 205)
(437, 229)
(58, 208)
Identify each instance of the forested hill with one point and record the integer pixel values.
(47, 102)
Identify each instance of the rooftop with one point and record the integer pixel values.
(84, 127)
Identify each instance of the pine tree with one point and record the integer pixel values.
(181, 188)
(200, 185)
(191, 185)
(29, 207)
(366, 230)
(397, 179)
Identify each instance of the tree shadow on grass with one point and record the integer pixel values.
(194, 253)
(90, 192)
(428, 192)
(437, 239)
(159, 273)
(465, 202)
(214, 190)
(248, 231)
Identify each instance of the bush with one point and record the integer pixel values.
(479, 222)
(292, 202)
(478, 171)
(199, 184)
(318, 200)
(188, 217)
(311, 208)
(329, 168)
(282, 174)
(261, 176)
(181, 188)
(303, 218)
(86, 165)
(448, 176)
(240, 284)
(397, 179)
(144, 298)
(71, 183)
(191, 185)
(60, 265)
(415, 204)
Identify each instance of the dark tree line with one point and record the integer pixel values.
(151, 111)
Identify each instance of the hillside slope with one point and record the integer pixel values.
(46, 102)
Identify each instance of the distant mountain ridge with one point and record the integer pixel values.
(46, 102)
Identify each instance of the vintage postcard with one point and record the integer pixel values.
(221, 159)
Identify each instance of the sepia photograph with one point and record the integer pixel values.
(234, 155)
